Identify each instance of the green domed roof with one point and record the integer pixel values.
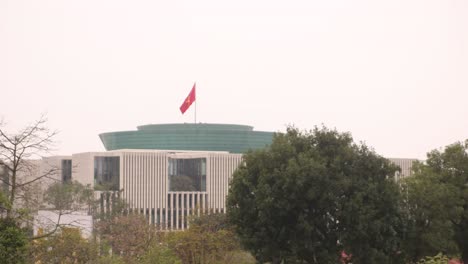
(204, 137)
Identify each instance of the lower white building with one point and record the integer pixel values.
(166, 186)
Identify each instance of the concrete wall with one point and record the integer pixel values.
(46, 221)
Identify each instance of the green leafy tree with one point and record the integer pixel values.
(66, 246)
(209, 239)
(437, 259)
(310, 195)
(160, 253)
(370, 218)
(109, 205)
(64, 199)
(4, 203)
(437, 204)
(68, 197)
(13, 242)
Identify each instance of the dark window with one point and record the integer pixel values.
(187, 175)
(106, 173)
(66, 171)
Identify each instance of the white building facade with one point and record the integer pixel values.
(406, 167)
(165, 186)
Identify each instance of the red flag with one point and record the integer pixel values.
(189, 100)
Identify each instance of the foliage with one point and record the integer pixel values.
(210, 223)
(437, 204)
(241, 257)
(437, 259)
(107, 186)
(182, 183)
(13, 242)
(72, 196)
(66, 246)
(111, 206)
(4, 202)
(110, 259)
(129, 236)
(63, 199)
(209, 239)
(310, 195)
(160, 253)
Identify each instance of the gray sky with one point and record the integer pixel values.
(394, 73)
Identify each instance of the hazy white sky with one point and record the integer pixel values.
(393, 73)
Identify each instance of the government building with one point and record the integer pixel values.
(168, 172)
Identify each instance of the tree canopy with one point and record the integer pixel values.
(311, 195)
(13, 242)
(70, 196)
(437, 203)
(66, 246)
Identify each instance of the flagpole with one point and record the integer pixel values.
(195, 105)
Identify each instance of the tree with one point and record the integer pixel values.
(310, 195)
(129, 236)
(4, 203)
(160, 253)
(182, 183)
(437, 204)
(70, 196)
(16, 150)
(62, 199)
(370, 221)
(66, 246)
(13, 242)
(209, 239)
(437, 259)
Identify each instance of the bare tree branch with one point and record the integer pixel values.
(50, 232)
(20, 155)
(45, 175)
(17, 149)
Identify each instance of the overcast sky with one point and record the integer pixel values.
(393, 73)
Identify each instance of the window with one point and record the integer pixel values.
(66, 171)
(106, 173)
(187, 175)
